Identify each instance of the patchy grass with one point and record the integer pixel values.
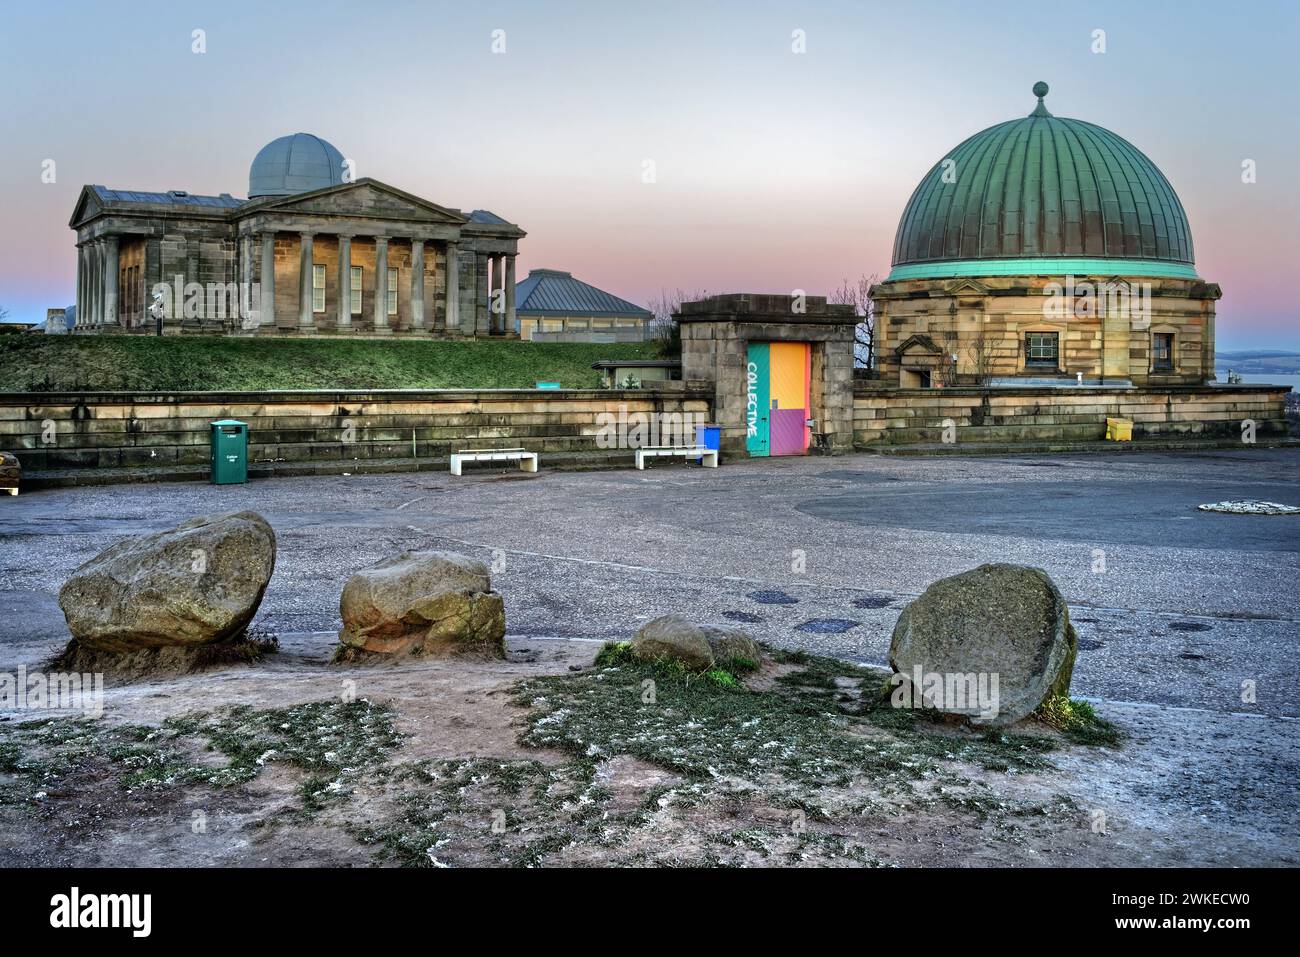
(337, 742)
(656, 766)
(175, 363)
(505, 813)
(669, 717)
(1078, 721)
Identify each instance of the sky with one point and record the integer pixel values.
(773, 170)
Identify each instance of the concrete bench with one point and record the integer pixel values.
(527, 460)
(708, 456)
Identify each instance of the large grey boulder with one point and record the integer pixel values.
(195, 584)
(1003, 630)
(731, 646)
(426, 603)
(697, 647)
(675, 638)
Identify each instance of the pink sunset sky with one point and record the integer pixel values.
(774, 170)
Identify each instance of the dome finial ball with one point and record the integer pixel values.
(1040, 89)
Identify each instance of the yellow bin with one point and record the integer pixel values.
(1119, 430)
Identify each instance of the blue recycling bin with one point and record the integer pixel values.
(709, 436)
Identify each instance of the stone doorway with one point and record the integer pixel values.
(778, 405)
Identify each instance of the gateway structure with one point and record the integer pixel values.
(309, 252)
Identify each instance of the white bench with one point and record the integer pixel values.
(709, 456)
(527, 460)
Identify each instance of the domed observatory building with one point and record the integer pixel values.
(312, 251)
(1044, 251)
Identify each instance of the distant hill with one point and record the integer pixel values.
(1259, 360)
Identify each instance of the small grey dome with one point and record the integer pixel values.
(294, 164)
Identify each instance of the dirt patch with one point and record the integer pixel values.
(545, 759)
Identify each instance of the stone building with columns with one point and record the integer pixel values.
(310, 252)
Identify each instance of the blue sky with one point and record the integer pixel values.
(773, 170)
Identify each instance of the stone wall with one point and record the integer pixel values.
(910, 416)
(1104, 328)
(51, 431)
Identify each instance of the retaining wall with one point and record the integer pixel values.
(912, 416)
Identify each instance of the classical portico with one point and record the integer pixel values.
(356, 258)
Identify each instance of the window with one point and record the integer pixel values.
(355, 291)
(578, 324)
(1042, 349)
(526, 328)
(602, 323)
(552, 325)
(317, 288)
(392, 292)
(1162, 352)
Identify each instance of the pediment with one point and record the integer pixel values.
(365, 198)
(968, 287)
(918, 343)
(88, 206)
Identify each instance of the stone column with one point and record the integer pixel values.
(266, 293)
(498, 294)
(417, 284)
(381, 285)
(81, 284)
(112, 263)
(345, 281)
(512, 322)
(96, 283)
(482, 318)
(244, 305)
(305, 320)
(453, 287)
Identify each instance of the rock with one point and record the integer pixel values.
(11, 473)
(194, 584)
(426, 603)
(671, 636)
(730, 644)
(1005, 627)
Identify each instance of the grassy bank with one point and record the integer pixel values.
(30, 363)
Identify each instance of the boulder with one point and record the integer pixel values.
(698, 647)
(195, 584)
(425, 603)
(673, 637)
(11, 473)
(730, 644)
(1001, 628)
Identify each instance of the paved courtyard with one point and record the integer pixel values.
(1176, 609)
(1173, 606)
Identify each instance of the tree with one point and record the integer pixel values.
(662, 328)
(858, 295)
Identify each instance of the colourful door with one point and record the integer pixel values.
(777, 407)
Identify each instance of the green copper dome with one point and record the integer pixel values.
(1043, 195)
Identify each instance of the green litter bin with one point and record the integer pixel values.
(229, 452)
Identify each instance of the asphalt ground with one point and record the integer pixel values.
(1174, 606)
